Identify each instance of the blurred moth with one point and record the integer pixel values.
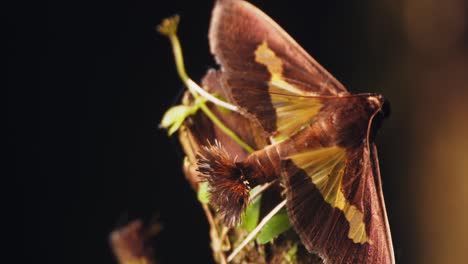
(324, 154)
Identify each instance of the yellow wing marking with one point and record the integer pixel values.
(326, 167)
(293, 111)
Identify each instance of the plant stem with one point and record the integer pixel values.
(257, 229)
(169, 28)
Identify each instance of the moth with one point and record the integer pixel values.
(321, 139)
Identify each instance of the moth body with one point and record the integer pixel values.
(325, 157)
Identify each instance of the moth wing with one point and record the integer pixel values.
(250, 132)
(336, 206)
(293, 112)
(258, 59)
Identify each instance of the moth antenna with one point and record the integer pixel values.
(228, 187)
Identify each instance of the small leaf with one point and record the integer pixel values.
(174, 117)
(174, 113)
(174, 127)
(252, 214)
(203, 194)
(278, 224)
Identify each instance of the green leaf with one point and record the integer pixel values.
(278, 224)
(203, 194)
(252, 214)
(173, 114)
(174, 117)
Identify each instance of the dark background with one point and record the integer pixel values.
(88, 83)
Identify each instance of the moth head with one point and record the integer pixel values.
(375, 102)
(379, 108)
(228, 186)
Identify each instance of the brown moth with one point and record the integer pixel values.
(326, 158)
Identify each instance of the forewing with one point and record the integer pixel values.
(336, 206)
(258, 58)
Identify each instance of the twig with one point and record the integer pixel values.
(216, 237)
(256, 230)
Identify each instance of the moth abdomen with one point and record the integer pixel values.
(230, 181)
(262, 166)
(228, 187)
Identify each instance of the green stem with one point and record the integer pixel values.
(225, 129)
(179, 59)
(169, 28)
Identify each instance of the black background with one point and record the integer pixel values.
(88, 83)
